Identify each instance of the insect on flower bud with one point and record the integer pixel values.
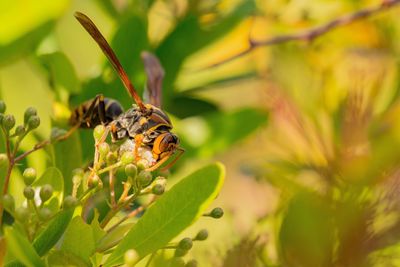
(44, 214)
(8, 202)
(131, 257)
(20, 130)
(21, 214)
(33, 122)
(46, 192)
(3, 160)
(2, 106)
(98, 132)
(185, 244)
(191, 263)
(144, 178)
(8, 122)
(202, 235)
(70, 202)
(29, 192)
(29, 112)
(29, 176)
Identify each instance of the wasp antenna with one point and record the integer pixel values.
(91, 28)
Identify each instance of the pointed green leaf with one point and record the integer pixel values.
(53, 232)
(19, 246)
(172, 213)
(62, 73)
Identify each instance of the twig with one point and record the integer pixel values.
(314, 32)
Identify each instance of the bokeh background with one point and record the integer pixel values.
(308, 131)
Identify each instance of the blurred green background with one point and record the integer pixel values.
(308, 131)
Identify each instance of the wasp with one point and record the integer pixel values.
(144, 123)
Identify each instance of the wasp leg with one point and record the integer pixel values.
(138, 143)
(164, 159)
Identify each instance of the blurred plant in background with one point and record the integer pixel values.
(325, 167)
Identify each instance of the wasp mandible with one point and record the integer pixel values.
(145, 124)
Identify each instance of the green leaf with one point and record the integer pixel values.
(53, 177)
(61, 72)
(113, 238)
(79, 240)
(229, 128)
(53, 232)
(63, 258)
(19, 246)
(190, 36)
(187, 106)
(25, 24)
(307, 232)
(67, 157)
(172, 213)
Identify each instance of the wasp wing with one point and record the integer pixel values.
(155, 75)
(91, 28)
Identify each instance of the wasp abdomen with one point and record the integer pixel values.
(96, 111)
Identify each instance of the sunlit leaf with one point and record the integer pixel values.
(53, 232)
(62, 74)
(172, 213)
(20, 247)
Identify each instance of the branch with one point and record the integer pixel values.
(312, 33)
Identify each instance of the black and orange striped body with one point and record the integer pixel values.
(90, 119)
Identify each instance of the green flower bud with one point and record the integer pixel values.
(93, 181)
(104, 148)
(2, 106)
(29, 112)
(8, 202)
(158, 189)
(191, 263)
(20, 130)
(202, 235)
(8, 122)
(177, 262)
(131, 170)
(29, 192)
(22, 214)
(3, 160)
(46, 192)
(131, 257)
(44, 214)
(144, 178)
(98, 132)
(56, 133)
(180, 253)
(29, 176)
(70, 202)
(33, 122)
(111, 158)
(185, 244)
(127, 158)
(217, 213)
(142, 164)
(77, 179)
